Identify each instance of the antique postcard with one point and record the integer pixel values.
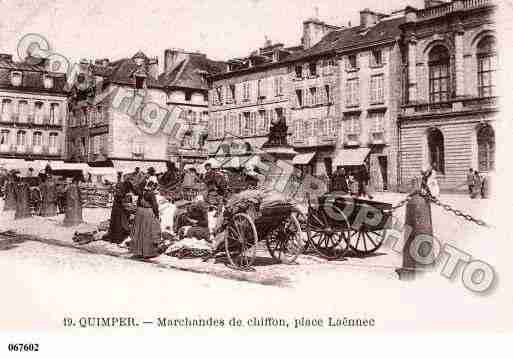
(335, 169)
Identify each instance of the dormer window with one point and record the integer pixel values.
(16, 77)
(299, 71)
(352, 62)
(47, 82)
(140, 82)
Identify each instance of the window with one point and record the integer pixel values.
(377, 88)
(352, 62)
(278, 86)
(299, 98)
(16, 78)
(376, 122)
(138, 146)
(307, 129)
(376, 58)
(329, 66)
(247, 124)
(219, 95)
(4, 137)
(486, 66)
(37, 139)
(253, 124)
(486, 148)
(38, 113)
(6, 110)
(353, 92)
(439, 77)
(313, 96)
(22, 111)
(263, 119)
(47, 82)
(352, 124)
(54, 113)
(312, 66)
(231, 91)
(327, 91)
(52, 140)
(229, 94)
(246, 91)
(436, 150)
(299, 71)
(322, 127)
(21, 138)
(139, 82)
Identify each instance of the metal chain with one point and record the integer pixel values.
(456, 212)
(401, 203)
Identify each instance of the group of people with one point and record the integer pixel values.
(138, 226)
(356, 183)
(55, 197)
(476, 184)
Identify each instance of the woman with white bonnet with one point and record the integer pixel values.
(146, 232)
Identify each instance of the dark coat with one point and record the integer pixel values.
(339, 183)
(146, 232)
(10, 195)
(119, 228)
(48, 198)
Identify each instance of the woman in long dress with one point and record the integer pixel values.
(146, 232)
(119, 228)
(73, 213)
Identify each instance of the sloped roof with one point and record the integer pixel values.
(32, 77)
(354, 37)
(121, 72)
(189, 72)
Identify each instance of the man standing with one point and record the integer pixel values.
(362, 177)
(470, 181)
(339, 181)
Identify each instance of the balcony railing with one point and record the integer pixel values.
(453, 6)
(15, 117)
(53, 150)
(37, 149)
(6, 148)
(314, 141)
(21, 148)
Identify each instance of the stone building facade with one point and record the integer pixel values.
(124, 112)
(344, 96)
(251, 93)
(33, 112)
(450, 108)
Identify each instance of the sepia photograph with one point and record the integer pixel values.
(301, 168)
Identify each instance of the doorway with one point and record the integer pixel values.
(383, 166)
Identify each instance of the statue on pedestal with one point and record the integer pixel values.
(277, 134)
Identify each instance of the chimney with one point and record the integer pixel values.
(6, 57)
(313, 31)
(153, 67)
(173, 57)
(368, 18)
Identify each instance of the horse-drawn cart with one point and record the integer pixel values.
(341, 222)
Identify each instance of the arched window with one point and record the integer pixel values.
(486, 148)
(486, 66)
(435, 140)
(439, 74)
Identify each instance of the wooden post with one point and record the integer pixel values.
(73, 215)
(418, 235)
(22, 201)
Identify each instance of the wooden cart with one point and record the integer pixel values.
(342, 222)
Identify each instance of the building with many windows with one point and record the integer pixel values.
(447, 119)
(123, 112)
(251, 93)
(345, 93)
(33, 112)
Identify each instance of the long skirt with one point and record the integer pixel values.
(119, 228)
(146, 234)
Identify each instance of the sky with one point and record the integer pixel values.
(220, 28)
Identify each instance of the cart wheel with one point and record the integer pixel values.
(241, 241)
(328, 242)
(287, 241)
(365, 241)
